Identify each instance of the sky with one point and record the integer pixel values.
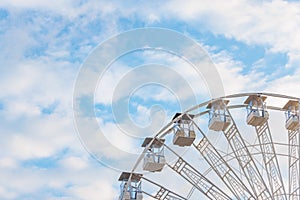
(49, 149)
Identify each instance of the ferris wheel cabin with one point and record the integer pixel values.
(130, 190)
(218, 119)
(154, 159)
(184, 134)
(256, 109)
(292, 115)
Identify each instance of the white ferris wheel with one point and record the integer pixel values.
(216, 150)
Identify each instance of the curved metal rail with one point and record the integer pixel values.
(275, 189)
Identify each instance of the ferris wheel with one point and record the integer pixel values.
(242, 146)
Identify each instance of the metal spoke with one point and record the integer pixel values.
(270, 161)
(294, 175)
(246, 162)
(234, 168)
(198, 180)
(163, 193)
(222, 168)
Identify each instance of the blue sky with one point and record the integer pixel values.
(254, 45)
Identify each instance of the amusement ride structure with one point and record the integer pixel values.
(246, 155)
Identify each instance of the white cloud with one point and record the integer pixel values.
(272, 24)
(94, 191)
(287, 85)
(8, 162)
(6, 194)
(75, 163)
(234, 81)
(179, 81)
(63, 182)
(37, 138)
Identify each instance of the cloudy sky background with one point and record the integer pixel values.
(255, 46)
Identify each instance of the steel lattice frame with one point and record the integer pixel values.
(268, 184)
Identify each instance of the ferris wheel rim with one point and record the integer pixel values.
(163, 131)
(236, 95)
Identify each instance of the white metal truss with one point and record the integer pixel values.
(246, 162)
(223, 170)
(243, 175)
(294, 162)
(198, 180)
(270, 161)
(163, 193)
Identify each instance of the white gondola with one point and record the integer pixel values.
(218, 119)
(130, 190)
(292, 115)
(256, 109)
(154, 159)
(184, 134)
